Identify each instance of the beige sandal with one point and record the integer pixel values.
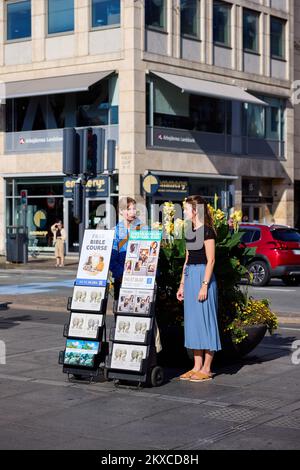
(187, 375)
(200, 377)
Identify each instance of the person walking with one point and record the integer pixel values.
(130, 221)
(59, 237)
(198, 289)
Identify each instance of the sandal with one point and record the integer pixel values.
(187, 375)
(200, 377)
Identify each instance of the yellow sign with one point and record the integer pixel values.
(40, 219)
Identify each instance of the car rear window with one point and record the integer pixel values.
(286, 235)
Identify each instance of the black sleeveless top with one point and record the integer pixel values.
(195, 245)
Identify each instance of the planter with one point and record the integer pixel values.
(174, 354)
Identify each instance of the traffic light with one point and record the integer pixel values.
(23, 195)
(70, 152)
(111, 155)
(78, 202)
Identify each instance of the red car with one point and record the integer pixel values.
(277, 253)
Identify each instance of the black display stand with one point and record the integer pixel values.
(149, 373)
(82, 372)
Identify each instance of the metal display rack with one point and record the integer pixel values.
(82, 372)
(150, 372)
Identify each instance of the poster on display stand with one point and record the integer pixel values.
(84, 325)
(132, 329)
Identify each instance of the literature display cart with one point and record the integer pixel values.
(133, 355)
(86, 343)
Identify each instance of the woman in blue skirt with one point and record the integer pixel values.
(198, 289)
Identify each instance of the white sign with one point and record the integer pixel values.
(84, 325)
(132, 329)
(95, 258)
(87, 298)
(141, 259)
(128, 356)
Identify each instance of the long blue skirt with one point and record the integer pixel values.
(200, 318)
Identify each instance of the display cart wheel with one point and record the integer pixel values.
(157, 376)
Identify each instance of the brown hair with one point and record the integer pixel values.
(197, 201)
(125, 202)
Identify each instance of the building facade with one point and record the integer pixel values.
(196, 93)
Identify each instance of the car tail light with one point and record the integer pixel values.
(278, 245)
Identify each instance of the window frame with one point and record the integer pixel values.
(284, 22)
(61, 33)
(229, 8)
(159, 29)
(101, 28)
(258, 15)
(192, 37)
(11, 41)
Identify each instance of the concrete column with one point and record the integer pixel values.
(236, 138)
(239, 39)
(203, 25)
(2, 29)
(209, 33)
(283, 206)
(132, 115)
(177, 29)
(238, 194)
(38, 12)
(82, 26)
(170, 19)
(266, 52)
(234, 36)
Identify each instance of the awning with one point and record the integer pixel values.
(53, 85)
(207, 88)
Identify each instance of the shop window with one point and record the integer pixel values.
(155, 13)
(221, 23)
(190, 18)
(278, 38)
(18, 16)
(265, 122)
(105, 13)
(60, 16)
(251, 30)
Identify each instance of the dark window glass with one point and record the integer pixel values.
(155, 13)
(106, 13)
(286, 235)
(251, 30)
(256, 236)
(277, 37)
(90, 108)
(190, 18)
(221, 23)
(60, 16)
(19, 20)
(247, 235)
(207, 114)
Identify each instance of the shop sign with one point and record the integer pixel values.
(96, 187)
(173, 186)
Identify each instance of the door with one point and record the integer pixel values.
(72, 229)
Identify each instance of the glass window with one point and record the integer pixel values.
(190, 18)
(221, 22)
(251, 30)
(286, 235)
(277, 38)
(155, 13)
(60, 16)
(247, 235)
(19, 20)
(105, 13)
(254, 121)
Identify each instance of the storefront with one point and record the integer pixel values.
(170, 186)
(51, 199)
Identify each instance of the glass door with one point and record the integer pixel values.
(72, 230)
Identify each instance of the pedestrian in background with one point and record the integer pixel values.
(198, 289)
(59, 237)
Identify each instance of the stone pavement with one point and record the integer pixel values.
(252, 404)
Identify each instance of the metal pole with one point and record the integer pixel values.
(25, 244)
(82, 225)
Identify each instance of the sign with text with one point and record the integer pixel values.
(141, 259)
(95, 187)
(93, 266)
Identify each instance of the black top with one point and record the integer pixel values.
(195, 246)
(58, 233)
